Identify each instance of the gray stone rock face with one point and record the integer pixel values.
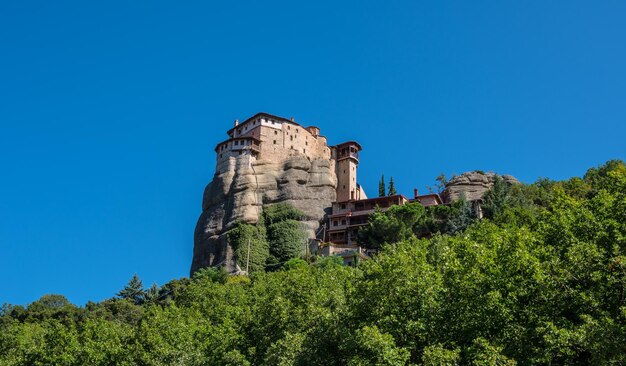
(473, 184)
(245, 186)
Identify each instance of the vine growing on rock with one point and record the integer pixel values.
(278, 237)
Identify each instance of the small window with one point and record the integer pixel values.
(344, 187)
(343, 222)
(220, 155)
(306, 143)
(343, 206)
(304, 151)
(335, 223)
(275, 132)
(291, 138)
(274, 142)
(344, 170)
(236, 143)
(291, 147)
(240, 152)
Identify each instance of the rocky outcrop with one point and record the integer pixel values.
(244, 186)
(473, 184)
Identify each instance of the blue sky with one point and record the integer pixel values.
(109, 111)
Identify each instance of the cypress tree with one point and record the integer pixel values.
(381, 186)
(392, 188)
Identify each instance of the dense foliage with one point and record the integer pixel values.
(278, 237)
(542, 281)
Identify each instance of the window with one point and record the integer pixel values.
(343, 206)
(236, 143)
(220, 155)
(306, 143)
(275, 132)
(343, 222)
(344, 187)
(335, 223)
(291, 147)
(240, 152)
(274, 142)
(291, 138)
(239, 131)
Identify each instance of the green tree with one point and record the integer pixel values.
(464, 215)
(133, 290)
(287, 240)
(370, 346)
(496, 198)
(381, 187)
(250, 245)
(396, 224)
(286, 235)
(392, 188)
(152, 294)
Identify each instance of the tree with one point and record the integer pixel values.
(250, 245)
(286, 235)
(396, 224)
(463, 216)
(287, 240)
(381, 187)
(496, 198)
(152, 294)
(442, 181)
(392, 188)
(133, 291)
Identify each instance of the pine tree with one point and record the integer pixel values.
(381, 186)
(463, 215)
(496, 198)
(133, 290)
(151, 294)
(392, 188)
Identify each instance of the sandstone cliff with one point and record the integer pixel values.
(241, 189)
(473, 184)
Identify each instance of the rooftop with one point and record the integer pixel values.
(266, 115)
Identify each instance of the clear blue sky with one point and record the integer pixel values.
(109, 111)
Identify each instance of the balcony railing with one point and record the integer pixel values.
(349, 155)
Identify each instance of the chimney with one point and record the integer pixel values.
(236, 122)
(415, 193)
(293, 119)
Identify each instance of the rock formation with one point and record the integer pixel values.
(473, 184)
(269, 159)
(244, 185)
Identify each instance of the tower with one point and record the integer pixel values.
(347, 157)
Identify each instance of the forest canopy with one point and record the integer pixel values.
(540, 280)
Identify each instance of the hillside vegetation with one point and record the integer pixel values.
(541, 280)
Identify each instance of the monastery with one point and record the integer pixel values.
(266, 137)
